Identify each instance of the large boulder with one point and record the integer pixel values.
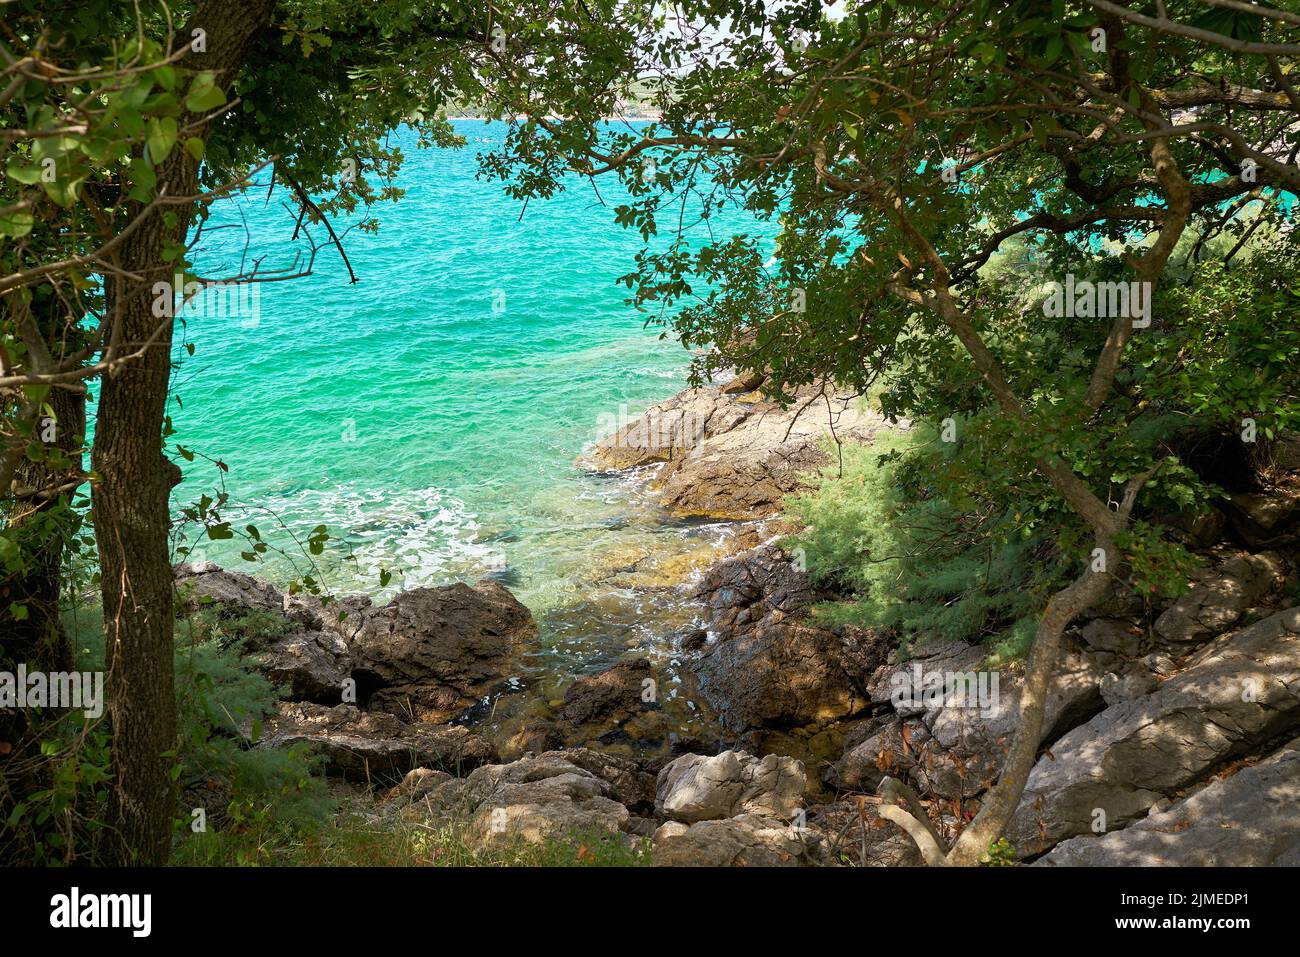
(372, 747)
(433, 652)
(1248, 819)
(427, 655)
(953, 719)
(288, 639)
(733, 456)
(1266, 519)
(698, 788)
(1234, 695)
(769, 666)
(532, 799)
(1219, 601)
(747, 840)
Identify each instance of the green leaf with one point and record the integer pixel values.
(204, 94)
(160, 139)
(144, 181)
(23, 173)
(15, 224)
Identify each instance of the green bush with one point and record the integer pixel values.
(248, 796)
(911, 561)
(359, 840)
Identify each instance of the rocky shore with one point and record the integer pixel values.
(1173, 731)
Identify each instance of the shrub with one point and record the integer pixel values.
(913, 562)
(253, 794)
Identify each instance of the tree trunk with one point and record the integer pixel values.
(1001, 802)
(131, 500)
(131, 524)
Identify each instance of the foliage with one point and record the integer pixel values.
(914, 562)
(220, 704)
(999, 854)
(358, 840)
(930, 167)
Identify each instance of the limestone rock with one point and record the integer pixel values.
(1248, 819)
(747, 840)
(536, 797)
(372, 747)
(1266, 519)
(698, 788)
(1237, 692)
(726, 455)
(1114, 635)
(1214, 605)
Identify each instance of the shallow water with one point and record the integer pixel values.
(430, 415)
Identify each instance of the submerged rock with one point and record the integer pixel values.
(611, 695)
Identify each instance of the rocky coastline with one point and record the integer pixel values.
(1174, 730)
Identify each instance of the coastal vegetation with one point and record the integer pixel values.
(1050, 243)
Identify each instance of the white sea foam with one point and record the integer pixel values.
(422, 536)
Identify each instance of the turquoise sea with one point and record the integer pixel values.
(430, 415)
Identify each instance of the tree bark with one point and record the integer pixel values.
(1001, 802)
(131, 500)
